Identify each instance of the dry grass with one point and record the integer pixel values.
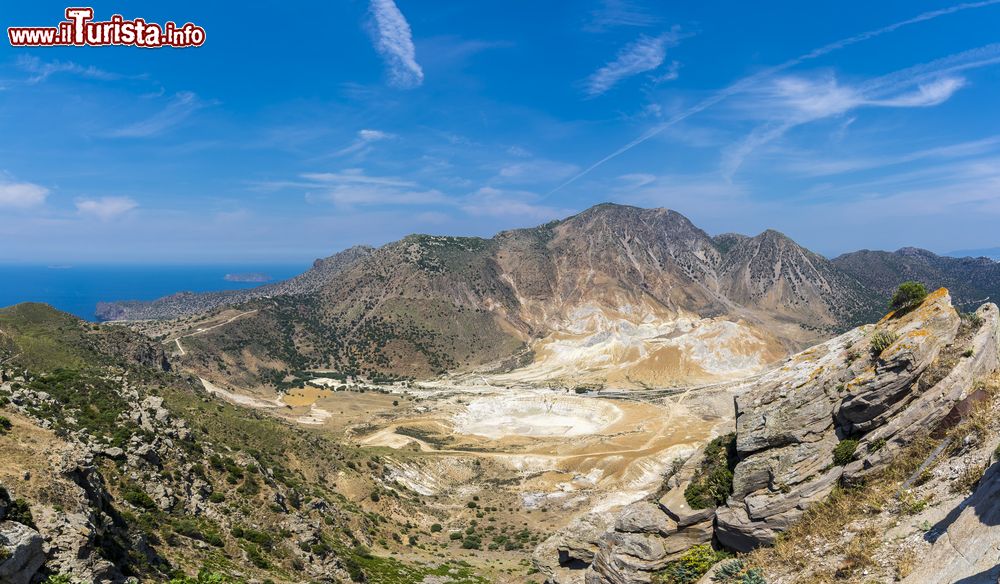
(906, 562)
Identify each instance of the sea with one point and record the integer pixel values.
(78, 289)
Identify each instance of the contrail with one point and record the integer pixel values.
(743, 83)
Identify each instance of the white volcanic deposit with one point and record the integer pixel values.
(496, 417)
(631, 346)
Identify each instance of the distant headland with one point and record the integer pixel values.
(248, 277)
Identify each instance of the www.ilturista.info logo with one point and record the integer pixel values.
(80, 30)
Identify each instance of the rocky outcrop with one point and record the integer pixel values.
(21, 552)
(641, 539)
(564, 557)
(979, 357)
(881, 385)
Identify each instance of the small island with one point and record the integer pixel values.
(248, 277)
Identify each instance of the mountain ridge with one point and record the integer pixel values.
(614, 294)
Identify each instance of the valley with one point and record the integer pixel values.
(545, 456)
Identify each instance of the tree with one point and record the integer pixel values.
(908, 295)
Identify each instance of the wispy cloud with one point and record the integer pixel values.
(787, 102)
(362, 143)
(355, 176)
(536, 170)
(105, 208)
(825, 166)
(620, 13)
(40, 70)
(21, 195)
(641, 56)
(751, 80)
(352, 187)
(394, 41)
(493, 202)
(451, 52)
(182, 105)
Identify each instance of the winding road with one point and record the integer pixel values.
(205, 330)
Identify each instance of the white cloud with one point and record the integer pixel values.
(974, 58)
(823, 165)
(373, 135)
(182, 105)
(394, 41)
(41, 70)
(493, 202)
(787, 102)
(535, 171)
(105, 208)
(619, 13)
(637, 180)
(21, 195)
(361, 144)
(926, 95)
(641, 56)
(353, 187)
(356, 176)
(673, 72)
(355, 194)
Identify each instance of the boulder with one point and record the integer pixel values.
(645, 517)
(21, 552)
(644, 540)
(675, 505)
(564, 556)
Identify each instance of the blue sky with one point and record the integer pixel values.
(301, 128)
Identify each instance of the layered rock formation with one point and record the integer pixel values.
(881, 385)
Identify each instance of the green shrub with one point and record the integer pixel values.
(882, 340)
(909, 295)
(58, 579)
(692, 565)
(436, 528)
(138, 498)
(257, 557)
(735, 572)
(205, 576)
(713, 481)
(843, 453)
(20, 511)
(728, 571)
(5, 425)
